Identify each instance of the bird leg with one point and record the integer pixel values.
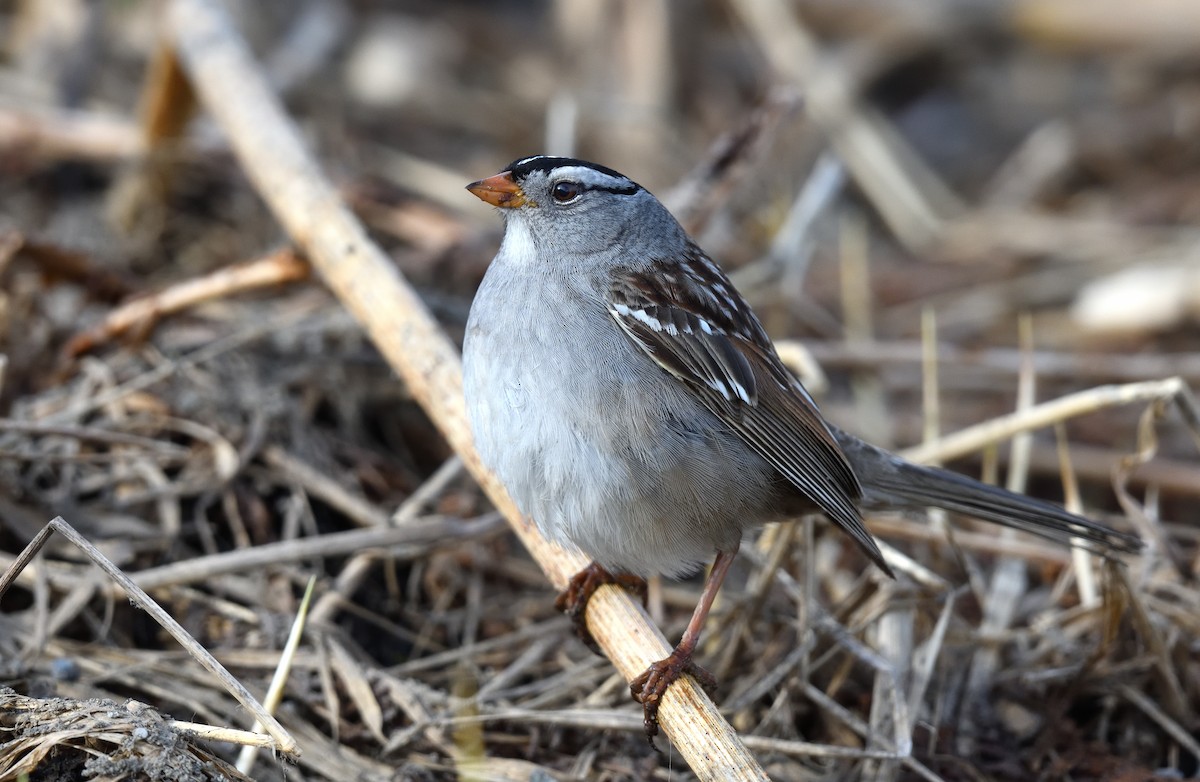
(648, 688)
(573, 600)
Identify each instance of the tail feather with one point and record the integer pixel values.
(892, 482)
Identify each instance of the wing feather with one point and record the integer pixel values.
(699, 330)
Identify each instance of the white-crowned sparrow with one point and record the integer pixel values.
(635, 408)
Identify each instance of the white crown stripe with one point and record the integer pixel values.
(590, 177)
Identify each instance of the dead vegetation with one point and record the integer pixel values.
(979, 224)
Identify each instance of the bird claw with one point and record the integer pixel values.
(648, 688)
(573, 600)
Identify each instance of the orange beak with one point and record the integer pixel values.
(499, 190)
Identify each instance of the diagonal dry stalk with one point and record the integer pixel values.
(233, 89)
(280, 266)
(971, 439)
(283, 740)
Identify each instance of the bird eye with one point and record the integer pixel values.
(566, 191)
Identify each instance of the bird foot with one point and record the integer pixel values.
(649, 688)
(573, 600)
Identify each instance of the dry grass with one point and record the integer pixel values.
(897, 192)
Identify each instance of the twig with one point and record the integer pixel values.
(228, 735)
(140, 315)
(861, 728)
(67, 134)
(325, 488)
(61, 262)
(431, 532)
(998, 429)
(279, 679)
(1049, 364)
(93, 434)
(284, 742)
(1084, 563)
(1169, 27)
(1169, 725)
(354, 571)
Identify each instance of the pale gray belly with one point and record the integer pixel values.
(643, 487)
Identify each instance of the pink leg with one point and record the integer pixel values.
(573, 600)
(648, 688)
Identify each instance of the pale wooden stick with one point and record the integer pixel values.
(231, 86)
(53, 134)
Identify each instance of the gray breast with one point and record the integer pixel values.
(602, 448)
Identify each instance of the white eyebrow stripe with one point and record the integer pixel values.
(590, 176)
(528, 160)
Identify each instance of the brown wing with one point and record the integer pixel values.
(695, 325)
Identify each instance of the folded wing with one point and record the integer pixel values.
(702, 333)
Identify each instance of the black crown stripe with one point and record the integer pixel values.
(522, 167)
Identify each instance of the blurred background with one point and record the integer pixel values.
(1016, 182)
(977, 160)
